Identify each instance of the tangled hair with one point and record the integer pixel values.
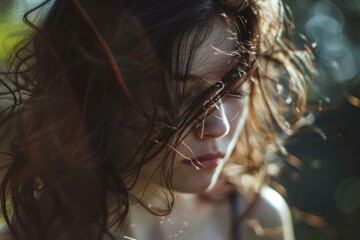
(86, 68)
(278, 89)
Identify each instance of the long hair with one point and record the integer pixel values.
(78, 82)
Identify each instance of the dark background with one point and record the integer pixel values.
(322, 173)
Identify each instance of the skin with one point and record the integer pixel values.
(219, 131)
(195, 218)
(217, 134)
(192, 216)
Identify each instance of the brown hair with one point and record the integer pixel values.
(63, 82)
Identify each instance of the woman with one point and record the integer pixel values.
(143, 120)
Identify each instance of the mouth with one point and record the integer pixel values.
(205, 161)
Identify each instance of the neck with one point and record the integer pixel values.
(152, 215)
(190, 216)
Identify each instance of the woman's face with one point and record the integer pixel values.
(203, 153)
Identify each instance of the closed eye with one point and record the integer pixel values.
(237, 94)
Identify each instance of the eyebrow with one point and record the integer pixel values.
(190, 77)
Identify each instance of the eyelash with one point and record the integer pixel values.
(240, 94)
(237, 94)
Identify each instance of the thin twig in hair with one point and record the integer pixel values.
(236, 115)
(218, 51)
(181, 154)
(219, 117)
(192, 152)
(232, 119)
(203, 124)
(173, 148)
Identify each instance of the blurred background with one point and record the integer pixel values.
(320, 177)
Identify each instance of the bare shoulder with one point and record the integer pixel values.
(269, 219)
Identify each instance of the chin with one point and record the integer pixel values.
(196, 184)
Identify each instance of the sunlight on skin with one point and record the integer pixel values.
(212, 62)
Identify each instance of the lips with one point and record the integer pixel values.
(205, 161)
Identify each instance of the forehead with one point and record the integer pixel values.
(217, 53)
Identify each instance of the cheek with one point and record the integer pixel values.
(236, 113)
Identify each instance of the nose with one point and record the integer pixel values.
(215, 125)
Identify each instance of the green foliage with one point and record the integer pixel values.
(11, 26)
(6, 7)
(10, 34)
